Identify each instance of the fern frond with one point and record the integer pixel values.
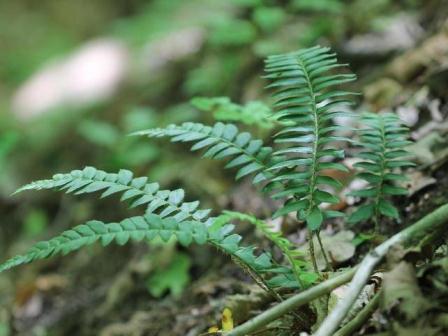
(135, 189)
(307, 98)
(382, 142)
(299, 265)
(222, 141)
(135, 228)
(147, 228)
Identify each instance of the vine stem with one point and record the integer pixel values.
(360, 275)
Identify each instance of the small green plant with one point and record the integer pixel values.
(383, 155)
(307, 98)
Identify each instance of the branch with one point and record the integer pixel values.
(290, 304)
(427, 224)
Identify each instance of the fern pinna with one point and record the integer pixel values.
(382, 142)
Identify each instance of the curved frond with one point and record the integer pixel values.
(382, 143)
(222, 141)
(135, 189)
(307, 98)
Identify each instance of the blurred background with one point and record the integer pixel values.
(76, 77)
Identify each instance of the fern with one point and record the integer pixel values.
(382, 142)
(306, 99)
(222, 141)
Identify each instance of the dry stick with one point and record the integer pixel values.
(418, 230)
(430, 222)
(359, 319)
(292, 303)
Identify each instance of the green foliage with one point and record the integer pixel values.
(269, 18)
(306, 98)
(173, 278)
(35, 223)
(382, 142)
(307, 101)
(253, 113)
(222, 141)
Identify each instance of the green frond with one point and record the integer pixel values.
(147, 228)
(307, 97)
(137, 190)
(382, 143)
(222, 141)
(139, 228)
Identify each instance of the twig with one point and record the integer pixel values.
(359, 319)
(428, 223)
(292, 303)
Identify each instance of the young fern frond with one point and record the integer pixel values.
(222, 141)
(295, 258)
(135, 189)
(382, 142)
(307, 100)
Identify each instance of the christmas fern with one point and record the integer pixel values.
(383, 156)
(307, 100)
